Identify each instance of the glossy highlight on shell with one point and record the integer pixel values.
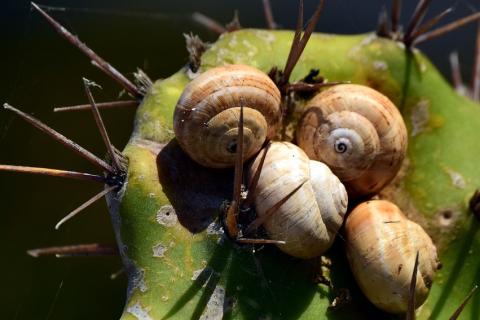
(310, 219)
(207, 114)
(381, 246)
(358, 132)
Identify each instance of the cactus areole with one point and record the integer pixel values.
(181, 265)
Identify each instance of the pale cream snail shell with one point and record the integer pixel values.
(358, 133)
(381, 245)
(207, 114)
(309, 220)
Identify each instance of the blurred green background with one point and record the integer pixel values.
(40, 71)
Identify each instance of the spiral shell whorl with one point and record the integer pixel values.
(206, 116)
(381, 245)
(358, 133)
(311, 217)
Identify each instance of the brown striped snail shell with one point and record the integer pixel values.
(309, 220)
(207, 114)
(381, 245)
(358, 133)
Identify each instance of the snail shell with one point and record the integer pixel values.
(381, 245)
(309, 220)
(207, 114)
(358, 133)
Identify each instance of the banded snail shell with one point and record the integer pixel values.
(358, 133)
(381, 245)
(207, 114)
(309, 220)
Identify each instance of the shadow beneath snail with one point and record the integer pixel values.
(207, 281)
(271, 284)
(195, 192)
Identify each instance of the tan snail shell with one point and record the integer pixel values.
(358, 133)
(309, 220)
(381, 245)
(207, 114)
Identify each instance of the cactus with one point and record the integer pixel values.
(165, 214)
(434, 189)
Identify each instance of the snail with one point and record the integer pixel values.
(207, 114)
(311, 216)
(381, 246)
(358, 133)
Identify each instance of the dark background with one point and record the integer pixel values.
(40, 71)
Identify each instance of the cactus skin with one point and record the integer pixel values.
(439, 177)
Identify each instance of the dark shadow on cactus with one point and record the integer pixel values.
(406, 81)
(476, 298)
(413, 68)
(455, 272)
(207, 281)
(208, 292)
(195, 192)
(271, 284)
